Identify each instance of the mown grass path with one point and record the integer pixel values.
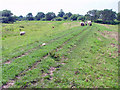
(52, 69)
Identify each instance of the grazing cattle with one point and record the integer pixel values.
(89, 23)
(53, 27)
(86, 23)
(43, 44)
(82, 23)
(22, 33)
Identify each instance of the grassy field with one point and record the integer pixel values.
(73, 57)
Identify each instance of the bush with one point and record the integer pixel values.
(73, 17)
(58, 19)
(43, 19)
(7, 19)
(65, 17)
(107, 22)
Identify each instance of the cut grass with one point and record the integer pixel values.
(22, 63)
(46, 66)
(23, 46)
(84, 52)
(92, 72)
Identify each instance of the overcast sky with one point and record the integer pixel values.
(23, 7)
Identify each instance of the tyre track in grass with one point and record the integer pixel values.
(52, 69)
(81, 39)
(28, 51)
(35, 48)
(9, 83)
(12, 81)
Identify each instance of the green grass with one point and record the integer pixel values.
(20, 44)
(92, 72)
(22, 63)
(88, 61)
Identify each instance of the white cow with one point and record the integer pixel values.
(22, 32)
(43, 44)
(86, 23)
(89, 23)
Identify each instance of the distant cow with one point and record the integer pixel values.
(43, 44)
(53, 27)
(86, 23)
(82, 23)
(89, 23)
(22, 33)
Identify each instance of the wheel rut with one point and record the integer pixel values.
(33, 49)
(51, 70)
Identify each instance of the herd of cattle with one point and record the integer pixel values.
(81, 23)
(86, 23)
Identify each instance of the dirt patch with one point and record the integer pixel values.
(109, 34)
(112, 34)
(63, 63)
(34, 83)
(7, 62)
(18, 77)
(103, 34)
(51, 70)
(21, 55)
(44, 74)
(10, 61)
(115, 55)
(10, 83)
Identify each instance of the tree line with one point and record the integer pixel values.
(99, 16)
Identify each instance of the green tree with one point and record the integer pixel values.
(74, 17)
(39, 16)
(108, 15)
(69, 14)
(7, 16)
(49, 16)
(65, 17)
(6, 13)
(58, 19)
(94, 14)
(81, 17)
(29, 16)
(87, 17)
(21, 18)
(61, 13)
